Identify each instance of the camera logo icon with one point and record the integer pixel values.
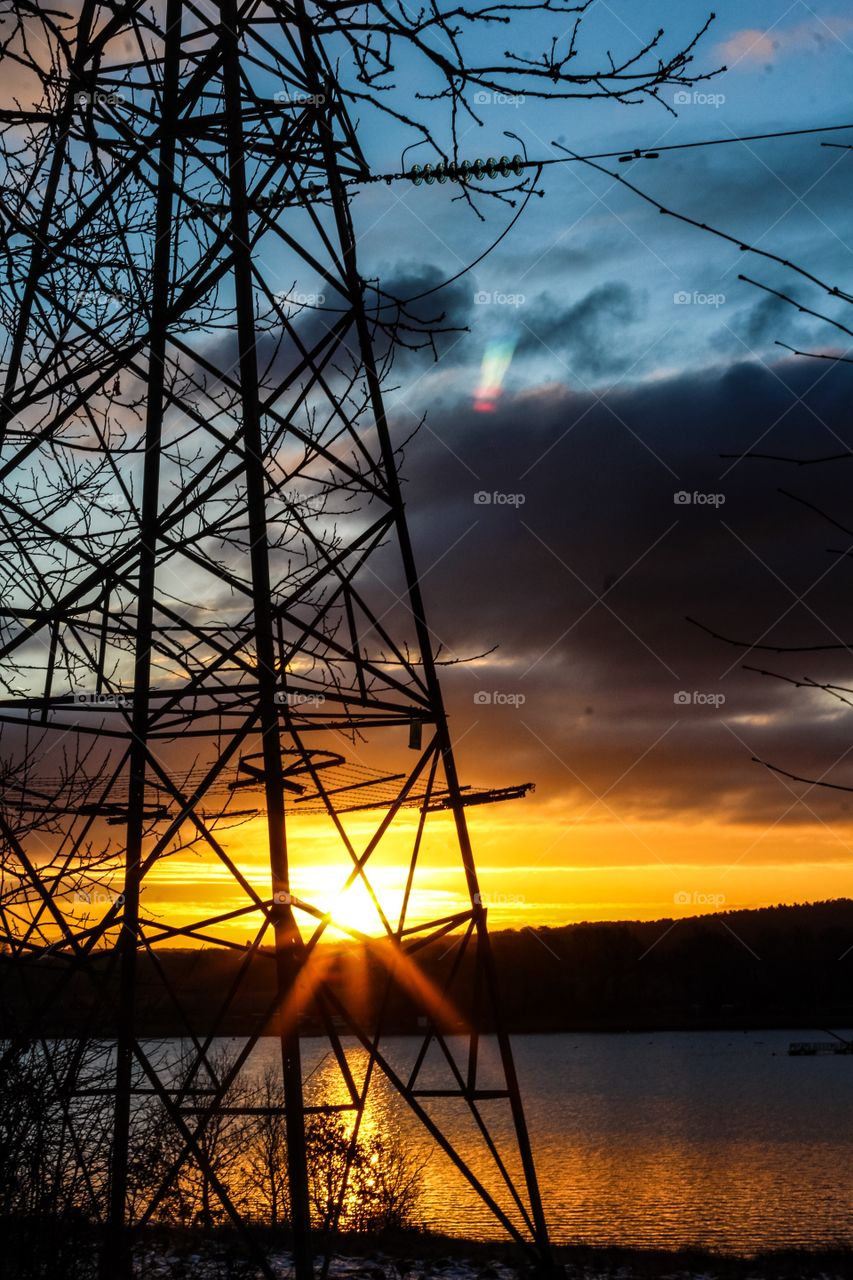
(682, 498)
(482, 498)
(682, 698)
(482, 298)
(482, 698)
(681, 98)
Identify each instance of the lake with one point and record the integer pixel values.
(717, 1139)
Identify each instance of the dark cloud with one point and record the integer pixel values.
(418, 297)
(414, 297)
(583, 567)
(763, 321)
(590, 332)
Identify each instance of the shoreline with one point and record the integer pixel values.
(421, 1255)
(169, 1253)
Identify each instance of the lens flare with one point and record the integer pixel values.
(496, 361)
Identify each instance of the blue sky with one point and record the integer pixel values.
(786, 62)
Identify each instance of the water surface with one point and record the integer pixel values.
(716, 1139)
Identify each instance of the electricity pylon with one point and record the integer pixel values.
(211, 606)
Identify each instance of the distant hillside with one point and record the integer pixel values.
(778, 966)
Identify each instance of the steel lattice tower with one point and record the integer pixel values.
(210, 599)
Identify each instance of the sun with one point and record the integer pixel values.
(354, 908)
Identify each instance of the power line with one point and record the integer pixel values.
(494, 168)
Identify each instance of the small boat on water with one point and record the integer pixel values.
(819, 1048)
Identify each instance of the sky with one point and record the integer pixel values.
(580, 509)
(631, 595)
(639, 360)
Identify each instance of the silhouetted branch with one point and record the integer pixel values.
(795, 777)
(769, 648)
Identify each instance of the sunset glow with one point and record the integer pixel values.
(581, 870)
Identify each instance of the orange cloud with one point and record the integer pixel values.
(752, 45)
